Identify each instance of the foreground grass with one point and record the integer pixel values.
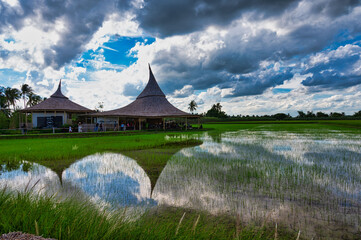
(72, 219)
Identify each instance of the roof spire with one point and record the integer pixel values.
(152, 88)
(58, 93)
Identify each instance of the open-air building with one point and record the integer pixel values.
(55, 111)
(149, 110)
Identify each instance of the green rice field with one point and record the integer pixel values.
(264, 180)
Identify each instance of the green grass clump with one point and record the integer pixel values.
(69, 219)
(74, 219)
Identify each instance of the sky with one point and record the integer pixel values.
(254, 57)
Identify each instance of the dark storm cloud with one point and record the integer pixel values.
(167, 18)
(307, 39)
(258, 84)
(330, 23)
(336, 70)
(226, 67)
(334, 8)
(331, 80)
(82, 19)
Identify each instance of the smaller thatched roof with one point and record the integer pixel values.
(57, 102)
(151, 103)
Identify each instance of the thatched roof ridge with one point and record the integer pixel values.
(58, 93)
(57, 102)
(150, 103)
(152, 88)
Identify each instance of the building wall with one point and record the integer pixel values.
(48, 114)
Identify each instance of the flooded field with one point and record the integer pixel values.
(308, 182)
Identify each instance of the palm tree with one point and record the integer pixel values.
(192, 106)
(33, 99)
(218, 107)
(4, 107)
(26, 90)
(12, 95)
(3, 101)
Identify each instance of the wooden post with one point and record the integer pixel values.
(198, 123)
(186, 124)
(118, 123)
(140, 125)
(64, 117)
(164, 124)
(54, 120)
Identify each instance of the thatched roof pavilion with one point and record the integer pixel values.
(57, 106)
(150, 104)
(57, 102)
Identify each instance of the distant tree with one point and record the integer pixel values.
(218, 107)
(4, 120)
(357, 114)
(280, 116)
(192, 106)
(216, 111)
(12, 95)
(337, 115)
(33, 99)
(301, 114)
(321, 115)
(310, 114)
(26, 90)
(99, 107)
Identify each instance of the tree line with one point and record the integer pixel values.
(216, 112)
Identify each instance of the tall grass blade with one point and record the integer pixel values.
(195, 224)
(276, 234)
(36, 228)
(179, 224)
(238, 222)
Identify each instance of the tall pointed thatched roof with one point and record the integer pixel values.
(57, 102)
(150, 103)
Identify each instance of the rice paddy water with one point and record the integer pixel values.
(306, 181)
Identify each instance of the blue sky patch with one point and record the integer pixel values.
(10, 77)
(9, 40)
(281, 90)
(115, 51)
